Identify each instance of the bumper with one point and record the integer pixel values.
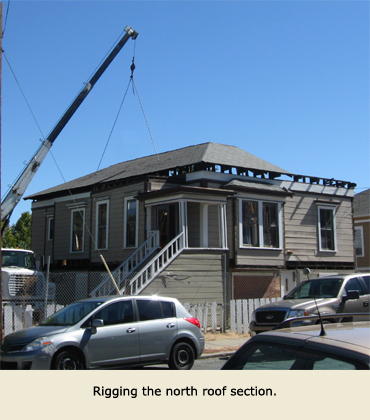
(35, 360)
(256, 329)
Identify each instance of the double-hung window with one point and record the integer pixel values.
(326, 228)
(102, 218)
(131, 216)
(260, 224)
(77, 230)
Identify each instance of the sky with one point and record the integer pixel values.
(287, 81)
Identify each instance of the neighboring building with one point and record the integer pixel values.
(361, 215)
(194, 214)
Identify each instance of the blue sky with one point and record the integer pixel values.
(287, 81)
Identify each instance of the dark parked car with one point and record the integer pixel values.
(108, 332)
(329, 295)
(342, 346)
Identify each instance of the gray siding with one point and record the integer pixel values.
(301, 229)
(194, 277)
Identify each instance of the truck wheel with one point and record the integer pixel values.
(182, 357)
(67, 360)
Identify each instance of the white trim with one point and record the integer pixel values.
(98, 204)
(260, 224)
(47, 203)
(334, 209)
(49, 218)
(125, 201)
(83, 231)
(362, 221)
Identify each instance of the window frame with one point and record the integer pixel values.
(50, 231)
(82, 212)
(333, 209)
(125, 221)
(361, 230)
(97, 225)
(260, 224)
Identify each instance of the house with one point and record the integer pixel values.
(204, 221)
(361, 216)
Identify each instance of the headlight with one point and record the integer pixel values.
(297, 314)
(39, 343)
(253, 317)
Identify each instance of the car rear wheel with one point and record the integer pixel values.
(182, 357)
(67, 360)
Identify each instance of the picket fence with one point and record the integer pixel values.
(210, 315)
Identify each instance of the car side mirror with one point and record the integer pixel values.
(96, 324)
(351, 295)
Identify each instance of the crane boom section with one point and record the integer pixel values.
(19, 187)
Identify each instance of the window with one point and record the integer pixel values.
(77, 234)
(326, 218)
(50, 228)
(102, 215)
(155, 309)
(354, 284)
(116, 313)
(260, 224)
(359, 241)
(131, 223)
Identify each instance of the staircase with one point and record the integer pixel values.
(156, 265)
(128, 267)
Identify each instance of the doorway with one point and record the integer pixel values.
(167, 222)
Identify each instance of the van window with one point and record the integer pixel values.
(366, 279)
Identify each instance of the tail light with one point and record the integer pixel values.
(194, 321)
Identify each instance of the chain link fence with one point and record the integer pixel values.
(210, 298)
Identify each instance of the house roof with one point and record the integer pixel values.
(361, 203)
(209, 153)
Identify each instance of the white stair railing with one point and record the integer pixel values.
(149, 272)
(121, 273)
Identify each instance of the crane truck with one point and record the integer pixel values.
(18, 269)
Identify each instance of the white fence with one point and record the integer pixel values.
(210, 315)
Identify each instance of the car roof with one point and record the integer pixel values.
(126, 297)
(347, 335)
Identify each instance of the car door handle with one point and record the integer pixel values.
(366, 303)
(171, 325)
(130, 330)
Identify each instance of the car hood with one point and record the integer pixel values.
(296, 304)
(29, 334)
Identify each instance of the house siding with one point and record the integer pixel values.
(194, 277)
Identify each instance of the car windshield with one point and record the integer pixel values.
(16, 258)
(71, 314)
(318, 288)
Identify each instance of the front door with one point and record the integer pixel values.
(167, 222)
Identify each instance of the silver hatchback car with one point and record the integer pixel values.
(108, 332)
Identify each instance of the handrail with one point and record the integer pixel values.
(122, 272)
(149, 272)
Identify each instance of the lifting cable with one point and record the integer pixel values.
(134, 90)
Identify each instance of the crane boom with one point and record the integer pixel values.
(20, 185)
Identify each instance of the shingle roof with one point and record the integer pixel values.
(361, 203)
(214, 153)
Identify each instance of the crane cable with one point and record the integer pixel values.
(134, 89)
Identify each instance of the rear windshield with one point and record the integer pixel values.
(318, 288)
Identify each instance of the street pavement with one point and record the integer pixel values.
(223, 344)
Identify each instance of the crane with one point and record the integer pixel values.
(16, 191)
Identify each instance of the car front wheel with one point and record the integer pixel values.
(67, 360)
(182, 357)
